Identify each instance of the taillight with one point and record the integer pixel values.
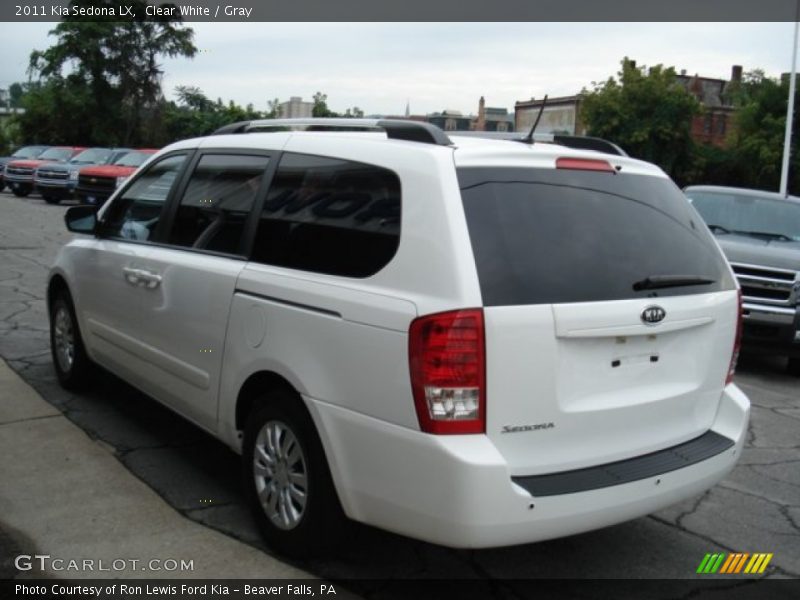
(448, 372)
(737, 344)
(584, 164)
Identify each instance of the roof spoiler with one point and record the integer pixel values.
(396, 129)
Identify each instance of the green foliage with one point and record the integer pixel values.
(196, 115)
(15, 93)
(320, 108)
(647, 113)
(112, 82)
(760, 124)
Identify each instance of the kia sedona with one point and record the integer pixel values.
(474, 342)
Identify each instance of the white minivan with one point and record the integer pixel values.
(474, 342)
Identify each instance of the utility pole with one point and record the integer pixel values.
(787, 140)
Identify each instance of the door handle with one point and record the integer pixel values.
(131, 275)
(151, 280)
(137, 276)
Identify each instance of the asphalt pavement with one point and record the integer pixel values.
(196, 479)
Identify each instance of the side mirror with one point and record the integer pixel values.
(81, 219)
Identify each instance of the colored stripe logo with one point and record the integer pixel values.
(734, 563)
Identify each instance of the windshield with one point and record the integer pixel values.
(57, 154)
(752, 215)
(133, 159)
(93, 156)
(29, 152)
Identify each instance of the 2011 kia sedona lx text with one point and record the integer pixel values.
(474, 342)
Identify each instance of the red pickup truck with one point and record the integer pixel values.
(97, 183)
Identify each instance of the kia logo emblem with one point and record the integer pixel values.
(653, 314)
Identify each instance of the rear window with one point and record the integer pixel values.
(545, 236)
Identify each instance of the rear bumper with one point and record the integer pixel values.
(457, 490)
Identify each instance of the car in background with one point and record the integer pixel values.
(759, 232)
(18, 174)
(57, 181)
(22, 153)
(96, 184)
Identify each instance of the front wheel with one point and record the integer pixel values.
(288, 483)
(20, 192)
(72, 365)
(52, 199)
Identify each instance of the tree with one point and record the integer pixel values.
(320, 108)
(647, 113)
(114, 67)
(194, 114)
(15, 93)
(274, 107)
(759, 128)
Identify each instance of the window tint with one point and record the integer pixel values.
(330, 216)
(215, 205)
(543, 236)
(135, 214)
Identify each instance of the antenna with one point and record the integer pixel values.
(528, 139)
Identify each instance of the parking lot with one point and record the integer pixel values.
(755, 509)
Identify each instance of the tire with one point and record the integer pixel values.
(20, 192)
(793, 366)
(309, 521)
(72, 365)
(52, 199)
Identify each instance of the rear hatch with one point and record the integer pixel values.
(610, 314)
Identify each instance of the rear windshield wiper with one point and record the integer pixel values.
(775, 236)
(666, 281)
(718, 228)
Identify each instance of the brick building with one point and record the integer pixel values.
(714, 124)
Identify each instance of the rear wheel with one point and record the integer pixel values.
(288, 483)
(72, 365)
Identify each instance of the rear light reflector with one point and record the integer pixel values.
(737, 343)
(584, 164)
(448, 371)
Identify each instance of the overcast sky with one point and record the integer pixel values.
(380, 66)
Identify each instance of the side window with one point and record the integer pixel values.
(329, 216)
(217, 200)
(134, 215)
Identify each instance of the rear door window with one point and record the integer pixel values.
(545, 236)
(329, 216)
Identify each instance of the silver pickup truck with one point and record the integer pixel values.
(759, 232)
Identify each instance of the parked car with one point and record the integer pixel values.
(18, 174)
(467, 341)
(22, 153)
(759, 232)
(57, 181)
(96, 184)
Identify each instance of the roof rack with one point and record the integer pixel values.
(571, 141)
(396, 129)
